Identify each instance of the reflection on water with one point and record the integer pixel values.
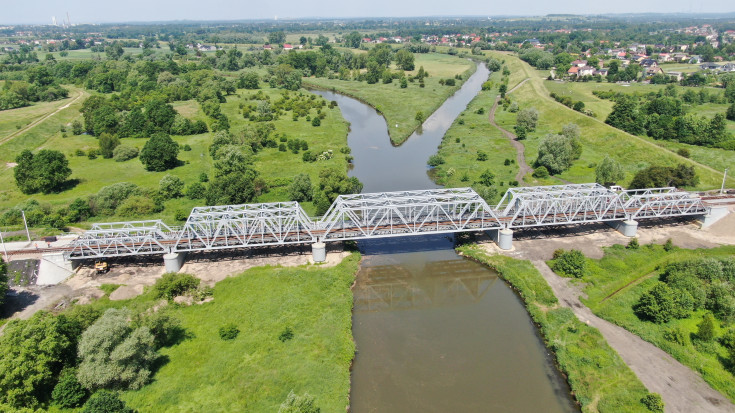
(435, 332)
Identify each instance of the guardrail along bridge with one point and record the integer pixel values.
(384, 214)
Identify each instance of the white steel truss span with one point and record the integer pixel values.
(384, 214)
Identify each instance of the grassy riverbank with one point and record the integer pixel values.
(599, 378)
(399, 106)
(598, 138)
(615, 283)
(256, 371)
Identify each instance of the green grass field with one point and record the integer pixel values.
(256, 371)
(97, 173)
(615, 283)
(475, 133)
(599, 139)
(399, 106)
(599, 378)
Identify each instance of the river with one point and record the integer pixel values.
(436, 332)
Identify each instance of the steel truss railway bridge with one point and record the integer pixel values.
(384, 214)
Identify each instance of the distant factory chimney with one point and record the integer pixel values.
(53, 20)
(68, 20)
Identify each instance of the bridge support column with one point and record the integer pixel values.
(627, 227)
(173, 261)
(319, 252)
(505, 239)
(715, 214)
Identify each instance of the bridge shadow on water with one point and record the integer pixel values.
(407, 244)
(560, 231)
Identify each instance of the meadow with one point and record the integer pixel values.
(616, 282)
(598, 138)
(399, 106)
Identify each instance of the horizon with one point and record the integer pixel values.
(82, 12)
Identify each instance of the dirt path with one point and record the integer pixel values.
(523, 167)
(682, 389)
(41, 119)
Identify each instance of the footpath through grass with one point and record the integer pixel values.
(599, 378)
(598, 138)
(256, 371)
(399, 106)
(615, 283)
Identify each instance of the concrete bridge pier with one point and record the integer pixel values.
(627, 227)
(173, 261)
(715, 214)
(502, 237)
(319, 252)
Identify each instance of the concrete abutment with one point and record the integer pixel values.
(173, 261)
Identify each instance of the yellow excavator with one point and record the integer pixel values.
(101, 267)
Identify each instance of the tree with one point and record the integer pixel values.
(609, 171)
(625, 116)
(706, 328)
(277, 37)
(159, 153)
(657, 304)
(555, 153)
(32, 353)
(527, 119)
(405, 60)
(300, 188)
(68, 392)
(234, 188)
(160, 115)
(171, 186)
(333, 183)
(573, 133)
(730, 114)
(124, 153)
(114, 51)
(299, 404)
(114, 355)
(352, 40)
(108, 143)
(105, 401)
(249, 80)
(46, 171)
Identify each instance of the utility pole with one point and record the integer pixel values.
(722, 188)
(26, 224)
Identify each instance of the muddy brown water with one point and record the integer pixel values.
(436, 332)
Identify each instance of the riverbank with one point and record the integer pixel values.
(399, 106)
(599, 378)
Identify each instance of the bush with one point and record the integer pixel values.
(706, 328)
(68, 392)
(173, 284)
(633, 244)
(669, 245)
(569, 263)
(435, 160)
(124, 153)
(106, 201)
(197, 190)
(286, 334)
(136, 205)
(657, 304)
(540, 172)
(166, 329)
(299, 404)
(653, 402)
(171, 186)
(683, 152)
(481, 156)
(105, 402)
(228, 332)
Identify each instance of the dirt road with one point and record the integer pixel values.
(523, 167)
(41, 119)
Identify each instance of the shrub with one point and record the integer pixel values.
(105, 402)
(669, 245)
(435, 160)
(68, 392)
(286, 334)
(299, 404)
(136, 205)
(124, 153)
(164, 327)
(173, 284)
(481, 156)
(633, 244)
(316, 121)
(677, 335)
(300, 188)
(77, 128)
(653, 402)
(657, 304)
(228, 332)
(197, 190)
(569, 263)
(171, 186)
(683, 152)
(540, 172)
(106, 201)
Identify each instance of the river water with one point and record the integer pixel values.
(436, 332)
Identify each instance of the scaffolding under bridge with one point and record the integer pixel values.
(384, 214)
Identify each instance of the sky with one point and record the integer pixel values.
(106, 11)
